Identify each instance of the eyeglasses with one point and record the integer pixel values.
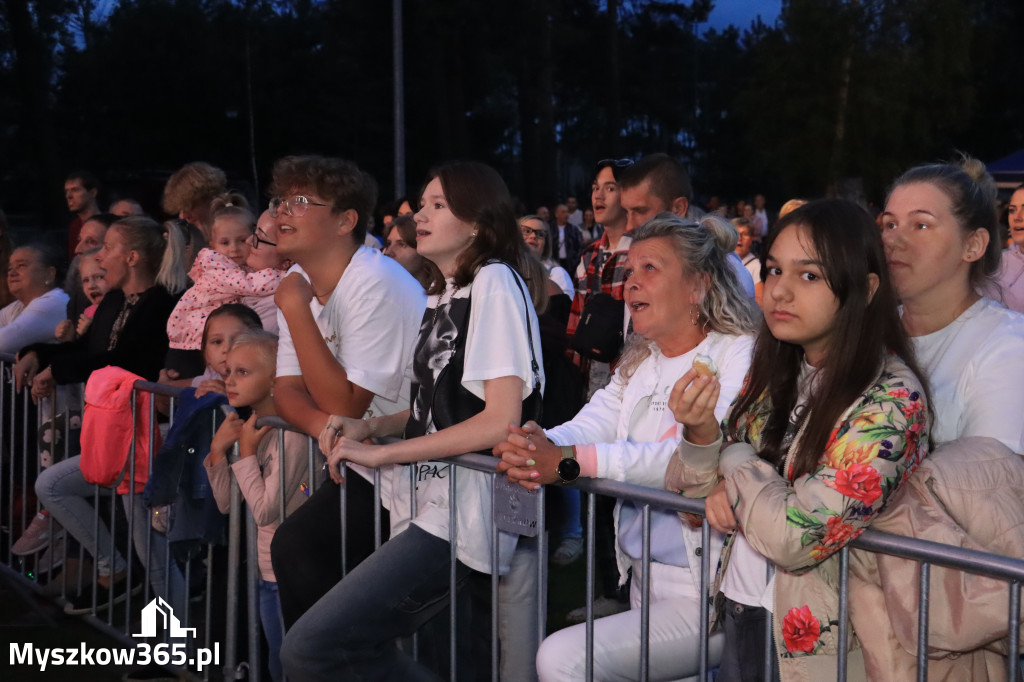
(539, 234)
(296, 206)
(259, 237)
(618, 163)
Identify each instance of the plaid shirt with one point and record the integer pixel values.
(600, 270)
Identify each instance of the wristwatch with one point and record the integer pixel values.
(568, 468)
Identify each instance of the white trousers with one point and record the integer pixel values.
(674, 636)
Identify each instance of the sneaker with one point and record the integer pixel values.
(603, 606)
(570, 550)
(56, 551)
(37, 536)
(82, 603)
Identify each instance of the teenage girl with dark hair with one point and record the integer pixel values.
(467, 227)
(831, 421)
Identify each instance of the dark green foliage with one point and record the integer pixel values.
(538, 88)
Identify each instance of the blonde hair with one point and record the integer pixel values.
(192, 186)
(790, 206)
(144, 236)
(263, 341)
(173, 272)
(231, 204)
(972, 196)
(536, 277)
(702, 248)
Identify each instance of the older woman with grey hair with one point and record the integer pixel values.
(39, 303)
(688, 312)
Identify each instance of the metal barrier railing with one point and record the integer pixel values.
(120, 622)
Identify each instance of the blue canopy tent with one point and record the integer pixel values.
(1008, 172)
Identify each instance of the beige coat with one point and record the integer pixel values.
(799, 525)
(968, 493)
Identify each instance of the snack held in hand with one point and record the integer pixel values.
(704, 366)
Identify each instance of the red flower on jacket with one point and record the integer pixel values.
(838, 532)
(859, 481)
(914, 411)
(800, 630)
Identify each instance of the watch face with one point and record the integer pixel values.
(568, 470)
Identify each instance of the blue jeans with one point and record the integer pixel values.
(571, 525)
(273, 625)
(351, 633)
(64, 492)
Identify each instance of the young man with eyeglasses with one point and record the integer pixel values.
(348, 319)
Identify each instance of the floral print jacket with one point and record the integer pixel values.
(800, 525)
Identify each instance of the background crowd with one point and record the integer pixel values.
(793, 367)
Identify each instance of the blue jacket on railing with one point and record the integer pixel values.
(178, 477)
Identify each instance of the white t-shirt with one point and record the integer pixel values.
(559, 275)
(746, 579)
(975, 370)
(650, 424)
(634, 436)
(496, 346)
(753, 266)
(370, 324)
(744, 277)
(21, 325)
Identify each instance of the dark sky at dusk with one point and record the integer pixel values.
(741, 12)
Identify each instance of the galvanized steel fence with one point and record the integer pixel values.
(17, 443)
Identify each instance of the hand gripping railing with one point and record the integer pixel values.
(928, 553)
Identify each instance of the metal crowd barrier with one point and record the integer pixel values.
(121, 621)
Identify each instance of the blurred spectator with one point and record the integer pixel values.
(80, 191)
(190, 190)
(125, 207)
(566, 239)
(575, 214)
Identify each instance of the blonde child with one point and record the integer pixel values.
(219, 332)
(95, 287)
(251, 367)
(219, 275)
